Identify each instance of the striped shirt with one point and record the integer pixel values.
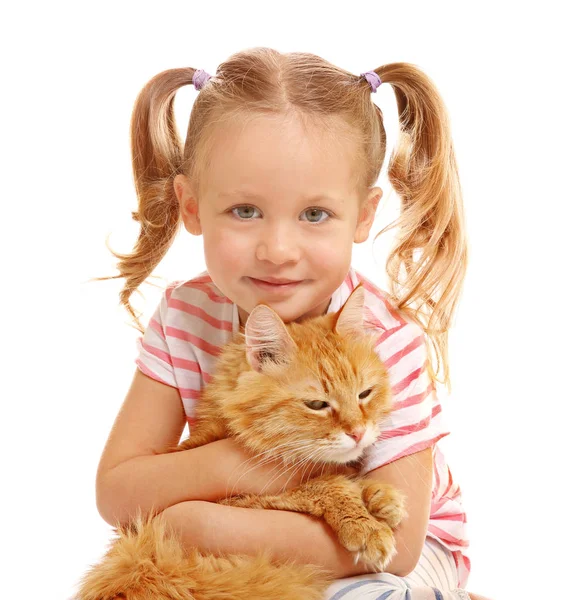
(194, 320)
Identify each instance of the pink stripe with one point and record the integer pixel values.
(463, 565)
(155, 326)
(389, 332)
(465, 575)
(413, 400)
(170, 289)
(206, 278)
(418, 447)
(144, 369)
(348, 282)
(187, 365)
(193, 366)
(195, 340)
(451, 485)
(401, 431)
(368, 285)
(447, 516)
(164, 356)
(443, 535)
(189, 393)
(413, 345)
(192, 421)
(372, 321)
(405, 383)
(201, 314)
(204, 287)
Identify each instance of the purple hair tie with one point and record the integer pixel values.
(373, 80)
(200, 77)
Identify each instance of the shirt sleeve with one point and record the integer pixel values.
(154, 357)
(416, 421)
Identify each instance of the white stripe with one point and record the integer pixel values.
(384, 451)
(398, 340)
(379, 310)
(155, 365)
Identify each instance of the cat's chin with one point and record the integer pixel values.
(347, 457)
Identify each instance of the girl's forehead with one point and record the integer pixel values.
(246, 158)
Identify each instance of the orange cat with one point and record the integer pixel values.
(308, 393)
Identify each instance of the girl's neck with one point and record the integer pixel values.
(243, 315)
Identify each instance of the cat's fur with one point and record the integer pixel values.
(259, 394)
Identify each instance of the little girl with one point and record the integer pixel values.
(277, 174)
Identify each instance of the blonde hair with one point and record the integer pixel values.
(426, 266)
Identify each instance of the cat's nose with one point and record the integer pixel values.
(357, 434)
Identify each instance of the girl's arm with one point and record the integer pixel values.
(135, 472)
(293, 536)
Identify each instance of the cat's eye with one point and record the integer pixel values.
(365, 394)
(316, 404)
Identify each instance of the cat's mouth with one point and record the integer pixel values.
(342, 454)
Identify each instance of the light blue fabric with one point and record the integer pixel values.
(434, 578)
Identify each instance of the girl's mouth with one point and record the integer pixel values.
(275, 285)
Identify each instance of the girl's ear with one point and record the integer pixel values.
(367, 215)
(350, 317)
(267, 338)
(188, 204)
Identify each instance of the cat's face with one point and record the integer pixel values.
(317, 390)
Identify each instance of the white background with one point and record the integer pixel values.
(71, 72)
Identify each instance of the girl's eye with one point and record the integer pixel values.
(244, 212)
(316, 404)
(365, 394)
(315, 215)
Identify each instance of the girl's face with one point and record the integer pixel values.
(278, 215)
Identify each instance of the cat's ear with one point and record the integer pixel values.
(350, 317)
(267, 338)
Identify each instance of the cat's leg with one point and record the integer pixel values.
(204, 432)
(338, 500)
(384, 501)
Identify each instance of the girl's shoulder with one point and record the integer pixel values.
(199, 291)
(379, 306)
(195, 309)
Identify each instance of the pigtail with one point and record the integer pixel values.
(427, 265)
(157, 156)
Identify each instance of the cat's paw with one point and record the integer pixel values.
(372, 541)
(384, 501)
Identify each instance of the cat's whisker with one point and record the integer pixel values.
(272, 455)
(306, 462)
(427, 470)
(296, 466)
(288, 468)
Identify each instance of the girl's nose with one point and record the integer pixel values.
(278, 246)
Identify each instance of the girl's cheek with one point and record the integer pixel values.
(228, 244)
(331, 253)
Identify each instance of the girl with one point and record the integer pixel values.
(277, 174)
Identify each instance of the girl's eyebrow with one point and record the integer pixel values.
(251, 196)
